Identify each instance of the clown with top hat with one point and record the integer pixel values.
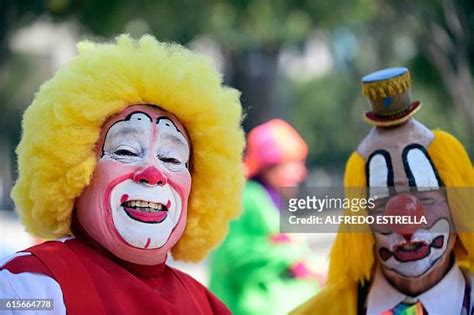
(132, 151)
(415, 266)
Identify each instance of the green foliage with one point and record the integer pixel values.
(236, 24)
(327, 110)
(328, 113)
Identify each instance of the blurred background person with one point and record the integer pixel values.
(258, 270)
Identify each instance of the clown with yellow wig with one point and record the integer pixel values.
(419, 265)
(130, 152)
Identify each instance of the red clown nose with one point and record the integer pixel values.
(150, 176)
(405, 205)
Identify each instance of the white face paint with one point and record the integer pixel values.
(128, 141)
(409, 250)
(145, 213)
(422, 171)
(136, 203)
(378, 176)
(433, 243)
(141, 228)
(173, 149)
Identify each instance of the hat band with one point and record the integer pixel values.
(398, 113)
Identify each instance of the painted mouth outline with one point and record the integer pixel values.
(400, 250)
(131, 210)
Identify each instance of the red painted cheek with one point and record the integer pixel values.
(181, 183)
(110, 169)
(106, 201)
(107, 176)
(93, 205)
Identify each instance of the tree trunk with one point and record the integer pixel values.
(255, 73)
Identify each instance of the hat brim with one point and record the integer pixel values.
(381, 121)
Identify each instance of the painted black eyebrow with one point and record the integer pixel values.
(163, 118)
(388, 161)
(129, 116)
(406, 166)
(174, 125)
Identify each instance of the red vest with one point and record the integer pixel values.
(95, 282)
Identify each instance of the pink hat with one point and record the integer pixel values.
(272, 143)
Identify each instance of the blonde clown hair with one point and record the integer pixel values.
(56, 157)
(455, 170)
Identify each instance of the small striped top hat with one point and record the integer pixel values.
(389, 95)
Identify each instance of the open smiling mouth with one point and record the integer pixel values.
(412, 250)
(146, 211)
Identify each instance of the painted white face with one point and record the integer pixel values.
(136, 203)
(144, 213)
(411, 188)
(416, 257)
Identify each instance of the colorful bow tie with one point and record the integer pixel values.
(407, 309)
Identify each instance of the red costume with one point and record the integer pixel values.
(93, 281)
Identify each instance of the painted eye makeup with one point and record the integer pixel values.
(173, 160)
(125, 153)
(173, 156)
(428, 200)
(172, 163)
(170, 160)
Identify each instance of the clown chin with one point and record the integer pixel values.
(425, 249)
(140, 222)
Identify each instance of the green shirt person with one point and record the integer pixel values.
(257, 269)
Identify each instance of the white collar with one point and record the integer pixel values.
(446, 297)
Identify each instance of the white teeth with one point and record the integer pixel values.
(145, 205)
(409, 246)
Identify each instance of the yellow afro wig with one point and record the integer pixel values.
(455, 169)
(56, 157)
